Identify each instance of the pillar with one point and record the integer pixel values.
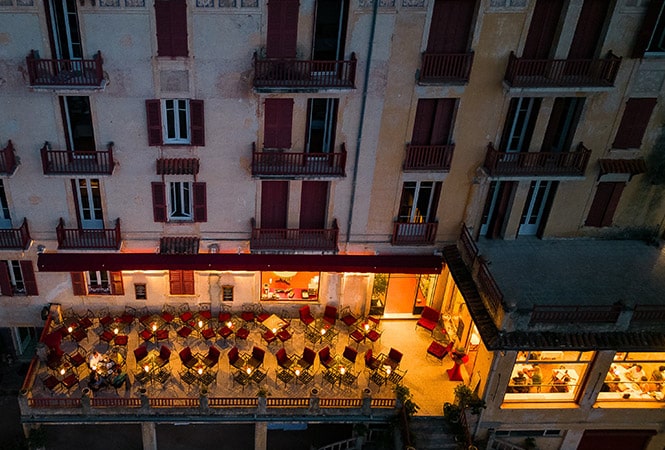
(149, 435)
(261, 436)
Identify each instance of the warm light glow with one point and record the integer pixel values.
(200, 371)
(70, 329)
(62, 371)
(146, 368)
(115, 330)
(323, 331)
(366, 326)
(342, 370)
(154, 327)
(274, 330)
(249, 370)
(297, 372)
(388, 369)
(93, 367)
(200, 324)
(229, 324)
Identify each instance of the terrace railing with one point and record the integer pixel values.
(429, 157)
(412, 233)
(575, 314)
(80, 238)
(294, 238)
(16, 238)
(8, 160)
(446, 67)
(574, 163)
(276, 162)
(65, 72)
(544, 73)
(65, 162)
(292, 73)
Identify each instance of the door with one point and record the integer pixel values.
(5, 218)
(433, 122)
(89, 202)
(25, 338)
(419, 201)
(64, 26)
(562, 124)
(451, 26)
(520, 122)
(537, 203)
(321, 123)
(313, 205)
(495, 212)
(78, 125)
(329, 30)
(589, 28)
(542, 30)
(274, 202)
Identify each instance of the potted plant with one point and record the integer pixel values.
(465, 398)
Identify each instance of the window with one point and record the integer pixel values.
(5, 218)
(175, 122)
(604, 204)
(97, 282)
(88, 196)
(77, 119)
(451, 26)
(282, 30)
(434, 121)
(181, 282)
(520, 122)
(140, 291)
(186, 201)
(171, 21)
(290, 285)
(419, 202)
(321, 118)
(547, 376)
(651, 37)
(227, 293)
(17, 278)
(634, 122)
(634, 377)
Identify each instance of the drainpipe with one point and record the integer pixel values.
(361, 121)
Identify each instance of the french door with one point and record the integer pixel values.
(536, 206)
(329, 30)
(89, 199)
(78, 125)
(65, 32)
(321, 123)
(520, 122)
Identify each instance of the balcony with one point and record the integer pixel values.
(15, 238)
(411, 233)
(90, 239)
(445, 68)
(293, 74)
(524, 164)
(429, 157)
(8, 161)
(278, 163)
(71, 73)
(65, 162)
(324, 240)
(558, 73)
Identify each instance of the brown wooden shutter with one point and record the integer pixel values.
(634, 122)
(422, 126)
(159, 201)
(313, 205)
(588, 30)
(277, 123)
(188, 282)
(435, 202)
(78, 283)
(154, 117)
(5, 283)
(282, 31)
(274, 201)
(442, 121)
(200, 202)
(171, 21)
(175, 282)
(29, 278)
(117, 287)
(604, 204)
(196, 121)
(544, 22)
(451, 26)
(647, 28)
(75, 196)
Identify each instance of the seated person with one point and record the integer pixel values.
(94, 359)
(95, 382)
(520, 382)
(119, 378)
(658, 375)
(560, 385)
(635, 373)
(536, 377)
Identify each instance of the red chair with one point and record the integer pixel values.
(284, 335)
(374, 335)
(371, 362)
(212, 357)
(269, 337)
(393, 359)
(305, 315)
(357, 336)
(283, 360)
(140, 353)
(184, 313)
(307, 358)
(330, 315)
(242, 333)
(187, 358)
(207, 333)
(429, 319)
(120, 340)
(347, 317)
(350, 354)
(106, 336)
(164, 355)
(256, 360)
(184, 331)
(146, 335)
(224, 315)
(325, 358)
(168, 314)
(247, 313)
(234, 358)
(439, 351)
(161, 335)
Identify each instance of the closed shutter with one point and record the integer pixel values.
(188, 282)
(29, 278)
(443, 120)
(282, 32)
(200, 201)
(422, 127)
(175, 282)
(159, 201)
(75, 195)
(647, 28)
(313, 205)
(154, 118)
(5, 283)
(277, 123)
(117, 287)
(634, 122)
(589, 26)
(451, 26)
(171, 21)
(604, 204)
(544, 22)
(78, 283)
(274, 201)
(196, 121)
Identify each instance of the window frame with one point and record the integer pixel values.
(157, 125)
(179, 107)
(432, 202)
(658, 28)
(649, 363)
(182, 282)
(13, 274)
(180, 201)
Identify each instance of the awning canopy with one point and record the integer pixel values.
(78, 262)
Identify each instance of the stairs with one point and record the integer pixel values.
(430, 433)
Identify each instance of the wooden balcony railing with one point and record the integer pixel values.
(65, 72)
(17, 238)
(429, 157)
(411, 233)
(646, 314)
(276, 162)
(542, 73)
(8, 160)
(291, 73)
(575, 314)
(64, 162)
(294, 238)
(537, 163)
(79, 238)
(446, 67)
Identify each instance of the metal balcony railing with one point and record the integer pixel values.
(8, 160)
(15, 238)
(294, 238)
(537, 163)
(79, 238)
(65, 72)
(429, 157)
(292, 73)
(276, 162)
(446, 67)
(411, 233)
(65, 162)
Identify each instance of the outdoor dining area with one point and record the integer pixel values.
(189, 352)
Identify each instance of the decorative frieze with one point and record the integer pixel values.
(508, 4)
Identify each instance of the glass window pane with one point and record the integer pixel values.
(635, 377)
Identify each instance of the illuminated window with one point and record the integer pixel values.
(634, 377)
(282, 285)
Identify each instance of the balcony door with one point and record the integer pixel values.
(329, 30)
(495, 212)
(64, 27)
(538, 202)
(321, 124)
(5, 218)
(589, 29)
(77, 120)
(434, 120)
(313, 205)
(89, 203)
(419, 202)
(562, 124)
(274, 204)
(543, 29)
(520, 122)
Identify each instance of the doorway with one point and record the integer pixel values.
(89, 200)
(399, 294)
(65, 32)
(329, 30)
(538, 201)
(78, 124)
(321, 123)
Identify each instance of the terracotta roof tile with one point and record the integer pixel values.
(177, 166)
(179, 245)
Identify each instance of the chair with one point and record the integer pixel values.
(212, 357)
(357, 336)
(307, 358)
(241, 378)
(163, 376)
(144, 316)
(247, 314)
(242, 333)
(258, 375)
(85, 321)
(371, 362)
(439, 351)
(283, 360)
(146, 335)
(393, 359)
(204, 311)
(429, 319)
(331, 376)
(373, 321)
(185, 314)
(128, 315)
(105, 317)
(225, 333)
(269, 337)
(258, 354)
(187, 358)
(76, 360)
(140, 353)
(79, 334)
(184, 331)
(330, 314)
(120, 340)
(70, 381)
(234, 358)
(260, 314)
(373, 335)
(396, 376)
(325, 358)
(284, 335)
(188, 378)
(349, 378)
(224, 315)
(168, 314)
(106, 337)
(350, 354)
(284, 375)
(51, 383)
(161, 335)
(163, 358)
(347, 317)
(207, 334)
(305, 315)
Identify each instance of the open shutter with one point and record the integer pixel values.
(196, 122)
(175, 282)
(188, 282)
(159, 201)
(78, 283)
(154, 115)
(277, 123)
(282, 31)
(634, 122)
(604, 204)
(28, 278)
(200, 208)
(117, 287)
(435, 202)
(5, 284)
(647, 28)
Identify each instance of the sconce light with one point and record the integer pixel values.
(213, 248)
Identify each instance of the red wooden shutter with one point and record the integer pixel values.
(277, 123)
(159, 201)
(171, 21)
(117, 287)
(154, 118)
(604, 204)
(75, 196)
(442, 121)
(422, 127)
(188, 282)
(175, 282)
(200, 201)
(197, 122)
(544, 22)
(313, 205)
(282, 28)
(28, 278)
(451, 26)
(647, 28)
(5, 283)
(589, 26)
(274, 201)
(634, 122)
(78, 283)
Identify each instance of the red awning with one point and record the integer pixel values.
(78, 262)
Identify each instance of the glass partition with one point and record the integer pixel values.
(634, 377)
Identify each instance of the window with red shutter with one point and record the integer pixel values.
(78, 283)
(450, 27)
(604, 204)
(282, 28)
(175, 122)
(29, 280)
(434, 121)
(154, 116)
(188, 282)
(200, 202)
(196, 121)
(277, 123)
(159, 201)
(117, 287)
(181, 282)
(5, 282)
(634, 122)
(171, 21)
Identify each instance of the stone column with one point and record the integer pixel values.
(261, 436)
(149, 435)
